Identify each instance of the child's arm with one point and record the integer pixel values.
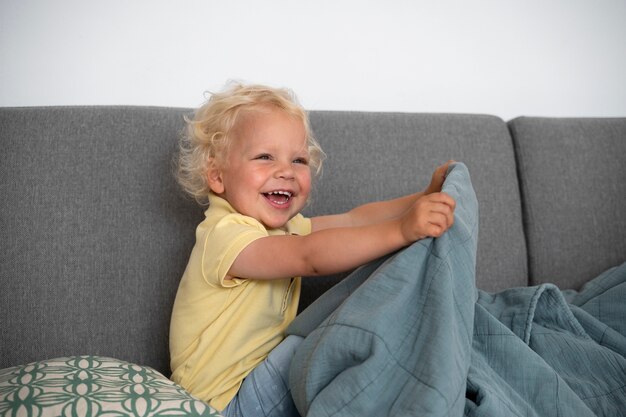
(339, 249)
(382, 210)
(393, 225)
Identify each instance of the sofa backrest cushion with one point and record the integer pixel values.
(572, 182)
(95, 233)
(373, 156)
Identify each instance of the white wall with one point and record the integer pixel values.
(531, 57)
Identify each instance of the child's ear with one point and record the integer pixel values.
(214, 179)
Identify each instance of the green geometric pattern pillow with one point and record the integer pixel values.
(91, 386)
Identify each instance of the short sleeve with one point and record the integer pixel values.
(299, 225)
(222, 245)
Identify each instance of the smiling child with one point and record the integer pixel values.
(249, 152)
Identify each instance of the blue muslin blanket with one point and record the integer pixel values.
(410, 335)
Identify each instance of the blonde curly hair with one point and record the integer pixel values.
(206, 140)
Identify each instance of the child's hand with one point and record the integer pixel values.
(430, 216)
(438, 178)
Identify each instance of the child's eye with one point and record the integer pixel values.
(302, 161)
(264, 157)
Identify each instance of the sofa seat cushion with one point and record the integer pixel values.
(93, 386)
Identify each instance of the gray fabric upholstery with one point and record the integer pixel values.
(373, 156)
(572, 182)
(95, 234)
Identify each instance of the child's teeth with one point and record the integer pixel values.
(285, 196)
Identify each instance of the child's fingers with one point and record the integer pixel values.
(432, 215)
(446, 199)
(445, 220)
(442, 170)
(435, 230)
(437, 202)
(438, 177)
(440, 213)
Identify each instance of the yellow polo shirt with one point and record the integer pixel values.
(222, 329)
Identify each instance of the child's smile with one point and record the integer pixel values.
(279, 198)
(266, 175)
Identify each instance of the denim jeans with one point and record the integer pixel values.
(265, 391)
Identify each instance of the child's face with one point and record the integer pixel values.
(266, 175)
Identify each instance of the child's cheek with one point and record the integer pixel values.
(305, 184)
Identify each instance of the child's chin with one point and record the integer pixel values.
(274, 223)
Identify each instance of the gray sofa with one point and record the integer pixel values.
(95, 233)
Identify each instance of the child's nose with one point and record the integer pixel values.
(285, 170)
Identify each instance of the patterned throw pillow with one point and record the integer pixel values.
(93, 386)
